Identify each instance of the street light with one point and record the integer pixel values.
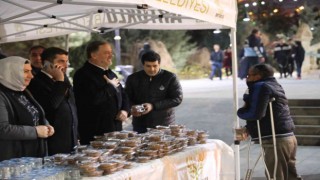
(246, 17)
(117, 39)
(217, 31)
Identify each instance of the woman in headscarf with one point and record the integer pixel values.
(23, 128)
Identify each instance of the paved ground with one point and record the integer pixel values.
(208, 105)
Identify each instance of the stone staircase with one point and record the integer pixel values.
(306, 116)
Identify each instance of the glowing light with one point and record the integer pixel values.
(246, 5)
(217, 31)
(117, 38)
(312, 28)
(254, 3)
(275, 10)
(263, 3)
(301, 8)
(280, 0)
(246, 17)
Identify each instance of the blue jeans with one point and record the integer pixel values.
(299, 65)
(216, 66)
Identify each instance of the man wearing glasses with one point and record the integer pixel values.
(262, 87)
(101, 102)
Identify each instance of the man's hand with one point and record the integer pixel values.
(148, 107)
(115, 82)
(55, 71)
(135, 112)
(122, 115)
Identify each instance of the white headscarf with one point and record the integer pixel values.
(11, 73)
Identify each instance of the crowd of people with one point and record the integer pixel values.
(42, 113)
(220, 59)
(288, 54)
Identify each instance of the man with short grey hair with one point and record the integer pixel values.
(101, 101)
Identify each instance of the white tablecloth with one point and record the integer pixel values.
(211, 161)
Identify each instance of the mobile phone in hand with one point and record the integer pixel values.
(47, 65)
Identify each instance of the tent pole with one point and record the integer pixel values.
(236, 101)
(117, 39)
(66, 43)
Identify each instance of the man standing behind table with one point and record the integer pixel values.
(52, 89)
(158, 90)
(101, 101)
(262, 87)
(35, 58)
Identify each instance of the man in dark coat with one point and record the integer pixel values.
(35, 58)
(262, 87)
(52, 89)
(157, 90)
(216, 59)
(101, 102)
(299, 54)
(282, 52)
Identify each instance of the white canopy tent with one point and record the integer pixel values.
(22, 20)
(25, 19)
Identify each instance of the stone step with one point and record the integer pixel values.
(306, 120)
(304, 102)
(307, 130)
(308, 140)
(305, 110)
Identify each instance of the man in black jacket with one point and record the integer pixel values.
(157, 90)
(262, 87)
(52, 89)
(282, 52)
(101, 101)
(35, 58)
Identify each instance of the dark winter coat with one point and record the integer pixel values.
(299, 52)
(163, 91)
(18, 135)
(282, 53)
(257, 108)
(58, 102)
(216, 57)
(97, 102)
(252, 47)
